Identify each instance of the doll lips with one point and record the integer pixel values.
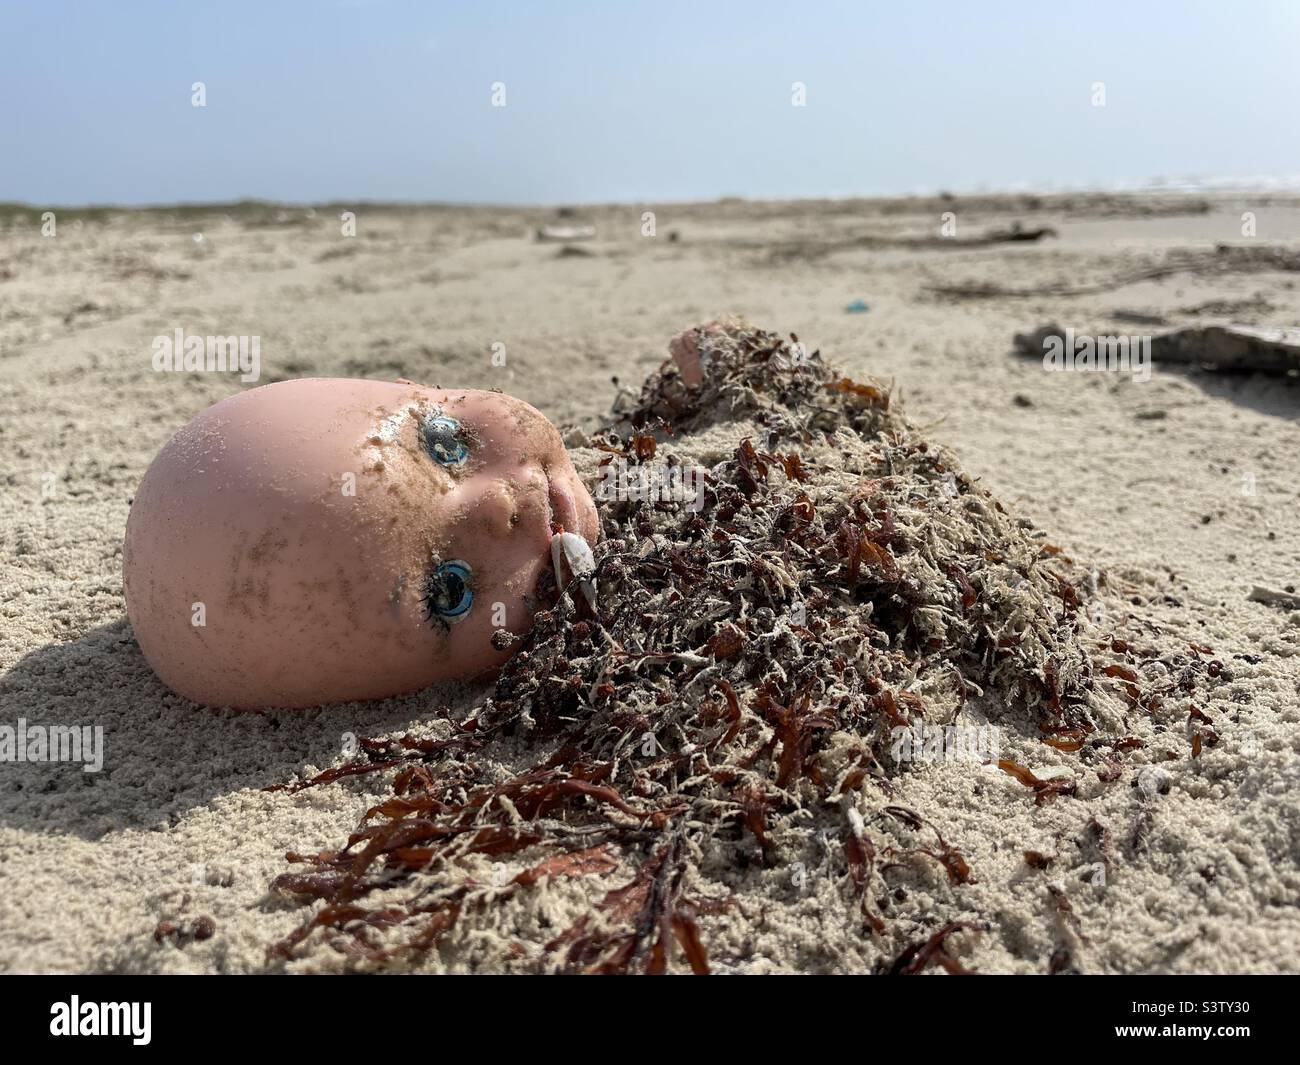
(564, 511)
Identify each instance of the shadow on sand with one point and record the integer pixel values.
(1271, 394)
(162, 755)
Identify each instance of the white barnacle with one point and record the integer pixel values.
(573, 561)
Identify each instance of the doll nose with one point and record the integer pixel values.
(510, 508)
(499, 510)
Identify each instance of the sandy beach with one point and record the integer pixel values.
(1171, 498)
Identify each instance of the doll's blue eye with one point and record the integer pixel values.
(447, 594)
(442, 439)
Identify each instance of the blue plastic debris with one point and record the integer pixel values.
(857, 307)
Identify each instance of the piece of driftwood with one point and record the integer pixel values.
(1238, 348)
(1231, 348)
(1035, 342)
(1014, 234)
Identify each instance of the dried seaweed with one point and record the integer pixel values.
(329, 776)
(1045, 790)
(746, 663)
(641, 920)
(183, 931)
(1065, 911)
(933, 951)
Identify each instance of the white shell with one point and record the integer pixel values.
(572, 559)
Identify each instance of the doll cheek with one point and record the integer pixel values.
(478, 527)
(590, 519)
(471, 639)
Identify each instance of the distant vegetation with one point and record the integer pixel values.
(251, 213)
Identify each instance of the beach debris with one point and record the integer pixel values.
(565, 233)
(637, 919)
(1272, 597)
(574, 564)
(328, 776)
(1015, 233)
(1153, 781)
(690, 351)
(933, 951)
(1065, 913)
(623, 396)
(1227, 348)
(1232, 348)
(1054, 772)
(439, 431)
(857, 307)
(1048, 783)
(841, 578)
(1035, 343)
(574, 251)
(184, 930)
(805, 249)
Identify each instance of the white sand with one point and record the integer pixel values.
(1143, 481)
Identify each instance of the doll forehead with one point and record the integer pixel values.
(494, 408)
(489, 413)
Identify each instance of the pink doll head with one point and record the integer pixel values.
(320, 540)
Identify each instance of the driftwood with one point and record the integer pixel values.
(1236, 348)
(1014, 235)
(1230, 348)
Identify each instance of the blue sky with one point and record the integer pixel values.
(635, 102)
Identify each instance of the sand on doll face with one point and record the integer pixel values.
(320, 540)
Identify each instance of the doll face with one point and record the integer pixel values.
(492, 480)
(346, 539)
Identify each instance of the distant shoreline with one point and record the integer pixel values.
(253, 208)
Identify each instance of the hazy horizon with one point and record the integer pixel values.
(385, 101)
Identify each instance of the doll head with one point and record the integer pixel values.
(319, 540)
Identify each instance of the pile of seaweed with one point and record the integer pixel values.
(748, 659)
